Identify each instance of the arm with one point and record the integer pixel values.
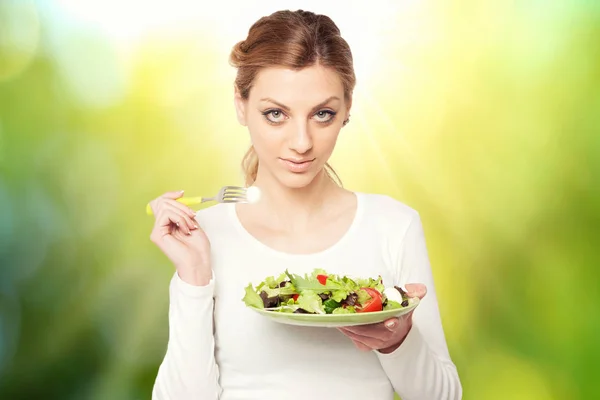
(189, 370)
(421, 368)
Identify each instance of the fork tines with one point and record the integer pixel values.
(234, 194)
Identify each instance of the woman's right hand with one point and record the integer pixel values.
(177, 234)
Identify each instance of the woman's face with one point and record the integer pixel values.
(294, 118)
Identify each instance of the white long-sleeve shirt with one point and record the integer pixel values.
(219, 349)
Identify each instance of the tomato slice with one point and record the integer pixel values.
(295, 297)
(375, 304)
(322, 279)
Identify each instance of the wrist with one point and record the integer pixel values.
(195, 276)
(394, 347)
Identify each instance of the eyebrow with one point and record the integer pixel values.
(286, 108)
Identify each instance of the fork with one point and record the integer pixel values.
(227, 194)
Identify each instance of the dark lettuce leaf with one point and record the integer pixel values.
(302, 311)
(402, 292)
(404, 296)
(269, 301)
(350, 300)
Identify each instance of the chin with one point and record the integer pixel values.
(296, 181)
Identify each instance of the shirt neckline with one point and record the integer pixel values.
(268, 249)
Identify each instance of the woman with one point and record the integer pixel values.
(294, 93)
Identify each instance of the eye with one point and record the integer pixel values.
(274, 116)
(324, 116)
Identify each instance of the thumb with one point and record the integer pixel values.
(392, 323)
(173, 195)
(416, 290)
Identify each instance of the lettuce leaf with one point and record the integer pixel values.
(392, 305)
(252, 299)
(311, 302)
(363, 297)
(342, 310)
(371, 283)
(284, 291)
(271, 282)
(339, 295)
(311, 283)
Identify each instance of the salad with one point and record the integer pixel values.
(323, 293)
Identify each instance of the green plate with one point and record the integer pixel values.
(337, 320)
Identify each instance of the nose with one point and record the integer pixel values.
(300, 138)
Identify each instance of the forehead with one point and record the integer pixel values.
(308, 86)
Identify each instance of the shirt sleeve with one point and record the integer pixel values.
(189, 370)
(421, 368)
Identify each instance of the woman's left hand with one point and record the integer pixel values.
(385, 336)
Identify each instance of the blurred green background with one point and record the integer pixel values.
(484, 116)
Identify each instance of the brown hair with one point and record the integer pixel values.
(294, 40)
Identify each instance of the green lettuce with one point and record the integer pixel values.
(271, 282)
(347, 310)
(392, 305)
(308, 290)
(252, 299)
(363, 296)
(312, 283)
(287, 290)
(311, 302)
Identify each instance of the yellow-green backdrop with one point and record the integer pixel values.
(484, 116)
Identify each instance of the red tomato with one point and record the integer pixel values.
(295, 297)
(322, 279)
(374, 304)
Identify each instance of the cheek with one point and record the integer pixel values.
(264, 137)
(257, 131)
(326, 141)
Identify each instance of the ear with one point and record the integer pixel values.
(240, 107)
(348, 107)
(347, 115)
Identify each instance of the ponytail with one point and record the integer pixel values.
(250, 166)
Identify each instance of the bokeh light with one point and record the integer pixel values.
(19, 36)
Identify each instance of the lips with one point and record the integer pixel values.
(297, 165)
(297, 160)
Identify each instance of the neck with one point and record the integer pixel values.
(293, 205)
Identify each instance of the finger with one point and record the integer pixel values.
(416, 290)
(181, 207)
(378, 329)
(157, 203)
(172, 195)
(168, 216)
(161, 203)
(370, 339)
(190, 223)
(361, 346)
(392, 324)
(165, 242)
(165, 223)
(371, 342)
(195, 235)
(180, 235)
(164, 233)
